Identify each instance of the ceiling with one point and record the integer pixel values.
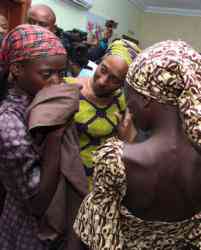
(180, 7)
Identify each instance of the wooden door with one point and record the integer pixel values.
(14, 10)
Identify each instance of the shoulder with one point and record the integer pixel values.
(76, 80)
(12, 126)
(142, 171)
(108, 163)
(9, 113)
(142, 153)
(112, 148)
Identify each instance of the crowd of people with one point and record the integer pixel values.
(99, 140)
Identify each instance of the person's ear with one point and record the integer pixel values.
(16, 69)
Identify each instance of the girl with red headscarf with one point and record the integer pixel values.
(33, 58)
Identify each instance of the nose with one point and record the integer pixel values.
(103, 81)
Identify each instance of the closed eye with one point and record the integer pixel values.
(48, 73)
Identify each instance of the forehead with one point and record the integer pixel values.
(41, 15)
(49, 62)
(115, 65)
(109, 30)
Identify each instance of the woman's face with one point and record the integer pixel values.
(109, 76)
(4, 27)
(41, 72)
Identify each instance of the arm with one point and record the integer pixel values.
(24, 173)
(50, 173)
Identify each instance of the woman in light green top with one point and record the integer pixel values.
(102, 102)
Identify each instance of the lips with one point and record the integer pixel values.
(101, 92)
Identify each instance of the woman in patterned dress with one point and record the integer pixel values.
(147, 195)
(33, 57)
(101, 98)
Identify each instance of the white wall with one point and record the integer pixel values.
(68, 16)
(122, 11)
(159, 27)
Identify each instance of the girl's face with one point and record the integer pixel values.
(33, 76)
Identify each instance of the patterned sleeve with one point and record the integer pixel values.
(19, 162)
(98, 220)
(109, 171)
(122, 102)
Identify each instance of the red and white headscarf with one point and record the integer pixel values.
(26, 42)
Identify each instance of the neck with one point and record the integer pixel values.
(166, 122)
(89, 93)
(20, 92)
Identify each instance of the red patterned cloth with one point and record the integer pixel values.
(35, 41)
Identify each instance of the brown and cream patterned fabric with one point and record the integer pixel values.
(104, 224)
(170, 73)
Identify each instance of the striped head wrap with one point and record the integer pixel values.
(170, 73)
(125, 49)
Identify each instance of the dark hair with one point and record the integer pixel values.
(78, 53)
(111, 24)
(76, 35)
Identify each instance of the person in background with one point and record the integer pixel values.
(45, 17)
(147, 195)
(102, 103)
(78, 63)
(33, 58)
(4, 27)
(42, 15)
(78, 58)
(98, 51)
